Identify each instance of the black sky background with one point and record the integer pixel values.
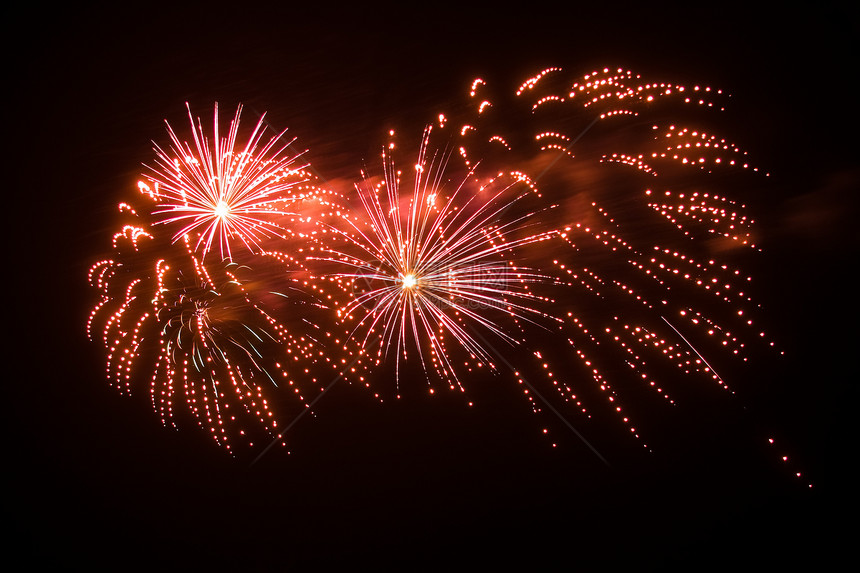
(96, 480)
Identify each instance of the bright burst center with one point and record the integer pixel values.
(409, 281)
(222, 209)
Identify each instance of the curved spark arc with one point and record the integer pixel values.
(607, 251)
(621, 94)
(218, 193)
(208, 335)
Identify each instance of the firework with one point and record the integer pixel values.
(426, 265)
(641, 253)
(207, 344)
(647, 250)
(221, 194)
(215, 339)
(579, 208)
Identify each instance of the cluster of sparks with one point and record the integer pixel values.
(629, 284)
(241, 276)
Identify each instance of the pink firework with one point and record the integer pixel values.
(428, 269)
(217, 193)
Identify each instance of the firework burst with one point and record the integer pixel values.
(427, 265)
(217, 340)
(647, 249)
(221, 194)
(208, 345)
(582, 207)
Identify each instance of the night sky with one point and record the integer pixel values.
(96, 479)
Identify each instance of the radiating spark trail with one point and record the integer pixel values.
(693, 348)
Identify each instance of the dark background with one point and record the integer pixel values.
(96, 480)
